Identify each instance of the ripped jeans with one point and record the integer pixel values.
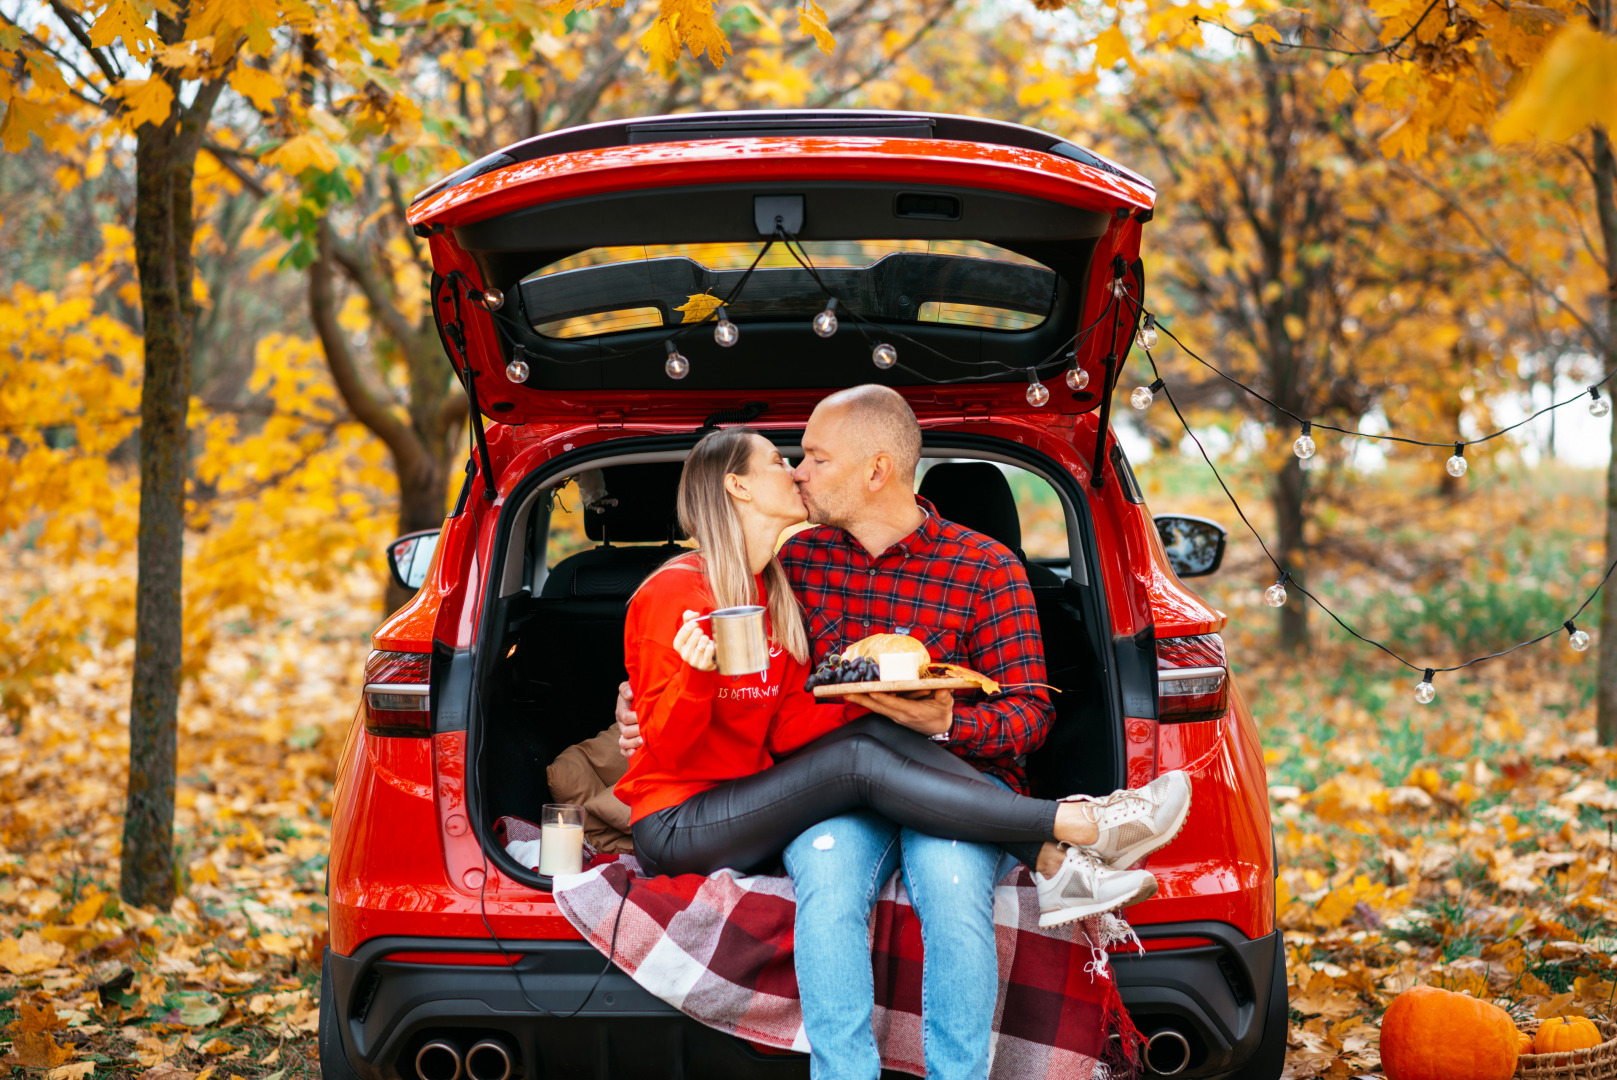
(837, 868)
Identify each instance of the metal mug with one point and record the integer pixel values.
(740, 645)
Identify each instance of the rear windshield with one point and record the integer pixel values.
(954, 282)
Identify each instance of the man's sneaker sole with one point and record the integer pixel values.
(1061, 917)
(1126, 859)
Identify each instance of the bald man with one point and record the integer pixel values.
(880, 560)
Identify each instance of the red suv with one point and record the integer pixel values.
(1002, 265)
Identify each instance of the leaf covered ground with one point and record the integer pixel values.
(1467, 844)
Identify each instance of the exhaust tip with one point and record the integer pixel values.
(1167, 1052)
(489, 1060)
(438, 1060)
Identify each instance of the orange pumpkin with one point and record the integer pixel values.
(1559, 1034)
(1524, 1043)
(1432, 1034)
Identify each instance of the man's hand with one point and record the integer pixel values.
(929, 715)
(629, 739)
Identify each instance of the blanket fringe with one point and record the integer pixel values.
(1124, 1056)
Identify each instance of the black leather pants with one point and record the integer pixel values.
(871, 763)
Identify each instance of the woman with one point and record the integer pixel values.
(710, 789)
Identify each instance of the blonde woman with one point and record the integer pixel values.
(733, 769)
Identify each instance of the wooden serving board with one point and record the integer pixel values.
(891, 686)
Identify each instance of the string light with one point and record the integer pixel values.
(1119, 289)
(1142, 396)
(884, 356)
(1037, 392)
(1424, 690)
(1275, 595)
(493, 299)
(1304, 446)
(1457, 464)
(676, 366)
(517, 370)
(1146, 336)
(825, 323)
(725, 333)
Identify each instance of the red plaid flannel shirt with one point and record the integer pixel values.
(964, 595)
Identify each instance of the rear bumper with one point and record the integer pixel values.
(1227, 998)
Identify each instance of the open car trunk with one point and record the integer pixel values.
(552, 646)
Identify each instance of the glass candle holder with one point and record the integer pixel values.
(561, 839)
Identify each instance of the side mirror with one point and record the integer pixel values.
(1195, 545)
(409, 556)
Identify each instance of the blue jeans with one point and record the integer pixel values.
(837, 869)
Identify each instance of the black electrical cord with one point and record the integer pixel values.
(1286, 577)
(1233, 381)
(612, 947)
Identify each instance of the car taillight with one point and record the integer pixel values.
(396, 687)
(1192, 679)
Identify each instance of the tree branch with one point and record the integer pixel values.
(70, 19)
(360, 272)
(1498, 252)
(398, 436)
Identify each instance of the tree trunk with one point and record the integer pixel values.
(1605, 162)
(147, 875)
(1287, 495)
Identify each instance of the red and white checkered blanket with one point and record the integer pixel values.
(719, 948)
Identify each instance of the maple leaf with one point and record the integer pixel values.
(1573, 86)
(144, 102)
(699, 306)
(29, 954)
(1339, 84)
(22, 118)
(225, 19)
(1263, 34)
(257, 86)
(122, 19)
(1110, 47)
(302, 152)
(811, 21)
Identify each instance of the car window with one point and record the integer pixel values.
(1040, 514)
(1044, 520)
(611, 290)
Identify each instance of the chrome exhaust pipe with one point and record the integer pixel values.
(438, 1060)
(488, 1060)
(1166, 1052)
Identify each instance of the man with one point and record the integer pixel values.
(881, 561)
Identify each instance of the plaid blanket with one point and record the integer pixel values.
(719, 948)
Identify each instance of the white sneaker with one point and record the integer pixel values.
(1135, 822)
(1084, 887)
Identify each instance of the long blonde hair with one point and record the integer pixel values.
(708, 516)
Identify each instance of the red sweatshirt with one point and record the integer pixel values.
(702, 728)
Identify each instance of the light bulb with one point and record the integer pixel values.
(1275, 595)
(1598, 406)
(884, 356)
(825, 323)
(1425, 692)
(725, 333)
(1579, 640)
(1146, 336)
(1457, 465)
(517, 370)
(1303, 447)
(676, 366)
(1077, 378)
(1141, 398)
(1037, 394)
(493, 299)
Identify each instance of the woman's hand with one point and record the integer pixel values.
(693, 646)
